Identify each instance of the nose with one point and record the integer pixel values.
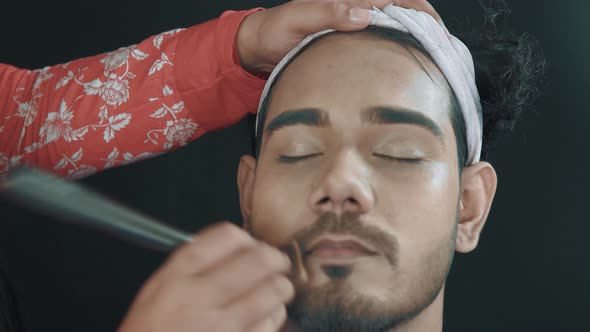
(344, 187)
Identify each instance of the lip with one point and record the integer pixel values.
(340, 243)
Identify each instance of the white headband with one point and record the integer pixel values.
(450, 54)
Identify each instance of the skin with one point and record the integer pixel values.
(225, 280)
(264, 37)
(393, 185)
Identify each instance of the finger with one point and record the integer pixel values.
(314, 16)
(367, 4)
(260, 303)
(271, 323)
(421, 5)
(380, 3)
(209, 246)
(242, 272)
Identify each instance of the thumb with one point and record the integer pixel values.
(314, 16)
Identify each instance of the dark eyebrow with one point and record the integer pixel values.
(399, 115)
(305, 116)
(374, 115)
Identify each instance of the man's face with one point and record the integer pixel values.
(358, 142)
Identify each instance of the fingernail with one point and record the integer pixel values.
(359, 15)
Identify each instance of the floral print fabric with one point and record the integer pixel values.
(95, 113)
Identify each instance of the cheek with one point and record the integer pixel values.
(440, 190)
(431, 188)
(278, 206)
(421, 210)
(432, 201)
(440, 179)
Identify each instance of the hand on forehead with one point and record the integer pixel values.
(421, 5)
(448, 53)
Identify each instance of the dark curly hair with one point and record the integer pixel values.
(508, 68)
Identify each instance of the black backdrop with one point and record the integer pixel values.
(529, 273)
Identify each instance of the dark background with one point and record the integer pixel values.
(529, 272)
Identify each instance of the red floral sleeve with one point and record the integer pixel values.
(99, 112)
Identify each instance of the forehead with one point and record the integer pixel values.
(345, 73)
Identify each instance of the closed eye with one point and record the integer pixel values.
(401, 160)
(294, 159)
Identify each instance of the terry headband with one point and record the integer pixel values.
(450, 55)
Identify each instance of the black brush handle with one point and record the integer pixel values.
(72, 203)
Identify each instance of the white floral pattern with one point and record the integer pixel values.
(177, 130)
(157, 41)
(98, 99)
(114, 91)
(71, 164)
(180, 130)
(159, 64)
(28, 109)
(127, 157)
(57, 125)
(7, 164)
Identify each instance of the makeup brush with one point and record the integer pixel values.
(295, 253)
(71, 202)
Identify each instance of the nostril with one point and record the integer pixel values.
(352, 200)
(324, 200)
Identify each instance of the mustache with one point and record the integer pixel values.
(349, 224)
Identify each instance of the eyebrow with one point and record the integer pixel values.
(305, 116)
(373, 115)
(401, 115)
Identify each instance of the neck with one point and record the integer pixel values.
(430, 319)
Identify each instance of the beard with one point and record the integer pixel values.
(338, 306)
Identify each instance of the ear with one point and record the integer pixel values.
(246, 188)
(478, 187)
